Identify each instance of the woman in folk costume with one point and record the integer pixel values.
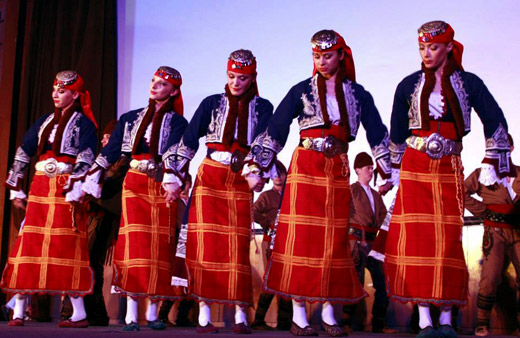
(431, 113)
(50, 255)
(219, 221)
(142, 261)
(311, 259)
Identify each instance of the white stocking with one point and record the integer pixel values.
(204, 314)
(131, 310)
(299, 314)
(78, 309)
(327, 314)
(240, 314)
(19, 306)
(445, 317)
(425, 319)
(151, 311)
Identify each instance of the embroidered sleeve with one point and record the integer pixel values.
(265, 112)
(376, 131)
(113, 150)
(23, 155)
(198, 127)
(498, 153)
(381, 154)
(87, 148)
(495, 126)
(177, 159)
(271, 141)
(396, 154)
(399, 121)
(16, 173)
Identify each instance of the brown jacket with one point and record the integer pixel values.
(495, 194)
(266, 207)
(360, 209)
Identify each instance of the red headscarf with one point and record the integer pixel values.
(174, 77)
(441, 32)
(244, 62)
(329, 40)
(71, 80)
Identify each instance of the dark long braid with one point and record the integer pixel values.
(340, 98)
(447, 91)
(156, 117)
(61, 117)
(238, 108)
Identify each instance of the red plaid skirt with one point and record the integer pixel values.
(50, 256)
(311, 258)
(143, 259)
(424, 257)
(219, 234)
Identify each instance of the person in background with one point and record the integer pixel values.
(265, 211)
(367, 212)
(500, 208)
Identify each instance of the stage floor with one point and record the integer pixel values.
(41, 330)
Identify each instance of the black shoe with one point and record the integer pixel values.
(4, 313)
(283, 326)
(446, 331)
(184, 323)
(428, 332)
(261, 325)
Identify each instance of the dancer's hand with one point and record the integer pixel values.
(172, 192)
(255, 182)
(19, 203)
(385, 188)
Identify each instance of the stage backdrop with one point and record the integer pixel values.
(196, 38)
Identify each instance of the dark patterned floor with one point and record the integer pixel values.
(40, 330)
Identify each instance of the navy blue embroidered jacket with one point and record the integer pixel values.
(210, 119)
(471, 93)
(302, 102)
(123, 138)
(79, 140)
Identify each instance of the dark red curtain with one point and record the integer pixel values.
(56, 35)
(59, 35)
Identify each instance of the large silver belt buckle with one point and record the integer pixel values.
(51, 168)
(142, 166)
(237, 161)
(151, 169)
(330, 146)
(435, 146)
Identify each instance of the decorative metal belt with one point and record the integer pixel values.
(235, 160)
(435, 145)
(511, 219)
(369, 236)
(330, 146)
(51, 168)
(149, 167)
